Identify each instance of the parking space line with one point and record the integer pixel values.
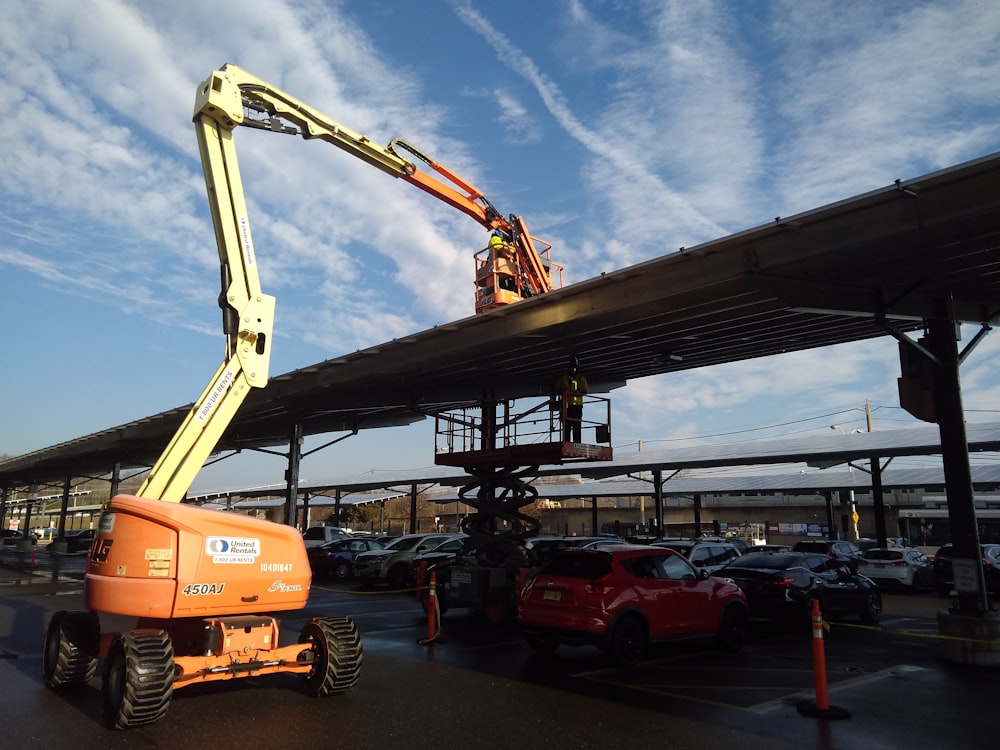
(661, 678)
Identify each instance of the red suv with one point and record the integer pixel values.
(622, 597)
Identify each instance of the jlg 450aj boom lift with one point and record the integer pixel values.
(195, 578)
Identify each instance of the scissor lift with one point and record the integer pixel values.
(499, 444)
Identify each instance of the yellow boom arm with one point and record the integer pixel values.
(230, 97)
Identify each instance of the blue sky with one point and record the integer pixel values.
(621, 131)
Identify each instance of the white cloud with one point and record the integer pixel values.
(516, 119)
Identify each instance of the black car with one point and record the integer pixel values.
(944, 580)
(11, 537)
(782, 585)
(709, 555)
(846, 552)
(445, 552)
(73, 541)
(335, 559)
(542, 548)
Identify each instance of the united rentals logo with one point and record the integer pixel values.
(232, 550)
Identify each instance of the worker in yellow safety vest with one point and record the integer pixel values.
(572, 387)
(499, 248)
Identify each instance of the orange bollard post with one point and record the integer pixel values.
(821, 708)
(432, 607)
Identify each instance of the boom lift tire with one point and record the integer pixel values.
(336, 652)
(72, 642)
(138, 678)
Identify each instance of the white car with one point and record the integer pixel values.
(394, 564)
(902, 566)
(314, 536)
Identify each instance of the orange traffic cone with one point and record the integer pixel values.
(821, 708)
(432, 611)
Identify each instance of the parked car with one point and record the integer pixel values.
(782, 585)
(845, 552)
(622, 597)
(543, 548)
(77, 540)
(11, 537)
(44, 533)
(393, 564)
(444, 551)
(944, 580)
(772, 548)
(901, 566)
(336, 559)
(891, 543)
(314, 536)
(739, 542)
(710, 555)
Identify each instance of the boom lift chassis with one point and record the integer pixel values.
(499, 447)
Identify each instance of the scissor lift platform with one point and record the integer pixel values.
(498, 435)
(536, 454)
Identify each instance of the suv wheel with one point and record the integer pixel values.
(873, 608)
(398, 576)
(628, 641)
(733, 628)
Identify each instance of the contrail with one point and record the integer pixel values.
(515, 59)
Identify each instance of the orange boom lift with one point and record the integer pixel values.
(193, 578)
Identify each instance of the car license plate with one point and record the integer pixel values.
(880, 565)
(551, 595)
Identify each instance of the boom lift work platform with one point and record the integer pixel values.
(499, 446)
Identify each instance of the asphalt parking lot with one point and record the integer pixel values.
(481, 685)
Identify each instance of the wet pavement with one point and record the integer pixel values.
(479, 685)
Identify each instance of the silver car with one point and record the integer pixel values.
(394, 564)
(901, 566)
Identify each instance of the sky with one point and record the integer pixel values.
(620, 130)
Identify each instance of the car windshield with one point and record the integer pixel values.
(404, 542)
(768, 560)
(452, 545)
(810, 546)
(883, 554)
(682, 547)
(590, 567)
